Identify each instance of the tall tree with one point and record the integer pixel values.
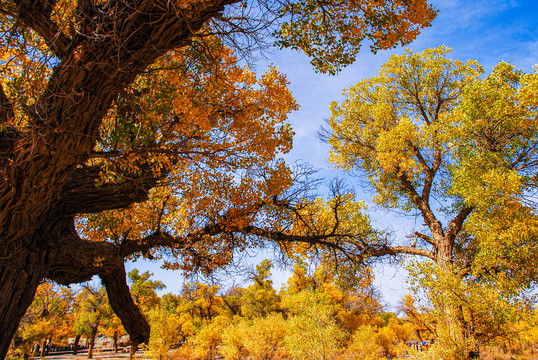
(86, 125)
(260, 298)
(143, 290)
(436, 141)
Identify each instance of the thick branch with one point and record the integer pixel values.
(157, 239)
(36, 15)
(399, 250)
(123, 305)
(354, 248)
(457, 222)
(426, 238)
(78, 260)
(423, 205)
(81, 195)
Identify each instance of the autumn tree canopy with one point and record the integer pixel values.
(107, 104)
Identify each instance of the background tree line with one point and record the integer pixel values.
(316, 314)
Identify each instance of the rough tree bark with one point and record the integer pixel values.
(40, 165)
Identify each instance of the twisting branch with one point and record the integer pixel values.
(36, 15)
(79, 259)
(123, 305)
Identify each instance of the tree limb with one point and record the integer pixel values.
(36, 15)
(455, 225)
(123, 305)
(426, 238)
(76, 260)
(423, 205)
(81, 195)
(396, 250)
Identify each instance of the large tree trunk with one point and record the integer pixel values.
(20, 274)
(454, 329)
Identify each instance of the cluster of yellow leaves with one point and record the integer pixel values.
(60, 313)
(332, 32)
(393, 124)
(164, 332)
(49, 316)
(310, 317)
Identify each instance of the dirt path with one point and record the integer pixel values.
(96, 355)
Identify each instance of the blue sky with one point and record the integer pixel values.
(485, 30)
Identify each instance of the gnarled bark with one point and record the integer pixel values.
(79, 260)
(39, 163)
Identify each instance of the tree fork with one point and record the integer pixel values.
(80, 259)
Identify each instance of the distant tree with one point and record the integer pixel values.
(165, 331)
(265, 337)
(436, 141)
(260, 298)
(143, 290)
(111, 327)
(313, 332)
(418, 316)
(49, 317)
(201, 302)
(209, 337)
(92, 310)
(365, 344)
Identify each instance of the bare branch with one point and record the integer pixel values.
(426, 238)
